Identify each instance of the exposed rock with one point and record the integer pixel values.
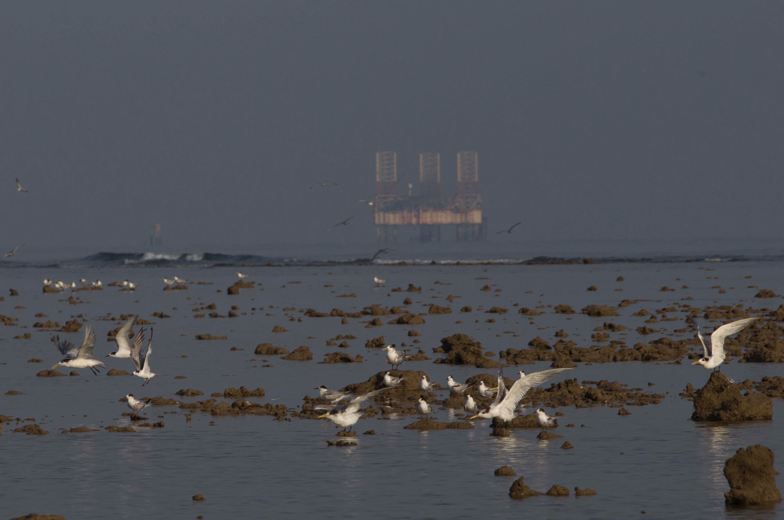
(35, 360)
(302, 353)
(31, 429)
(375, 343)
(341, 443)
(267, 349)
(752, 477)
(209, 336)
(198, 498)
(462, 350)
(278, 328)
(33, 516)
(71, 326)
(497, 310)
(189, 392)
(234, 393)
(558, 491)
(14, 392)
(116, 372)
(720, 400)
(49, 373)
(600, 310)
(48, 324)
(546, 436)
(564, 309)
(624, 411)
(239, 284)
(340, 357)
(408, 319)
(26, 335)
(429, 424)
(375, 310)
(504, 471)
(525, 311)
(435, 309)
(120, 429)
(567, 446)
(48, 289)
(519, 490)
(765, 293)
(80, 429)
(584, 492)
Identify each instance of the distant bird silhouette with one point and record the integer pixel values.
(344, 223)
(19, 187)
(12, 252)
(509, 230)
(385, 250)
(322, 184)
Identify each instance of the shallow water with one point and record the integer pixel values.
(654, 460)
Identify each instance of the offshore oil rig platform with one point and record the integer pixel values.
(429, 209)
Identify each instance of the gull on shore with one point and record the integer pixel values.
(379, 281)
(390, 380)
(394, 357)
(506, 401)
(346, 415)
(716, 356)
(142, 362)
(454, 386)
(423, 408)
(544, 420)
(81, 357)
(485, 391)
(331, 395)
(137, 405)
(425, 385)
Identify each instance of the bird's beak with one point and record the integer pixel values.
(323, 416)
(57, 365)
(696, 363)
(496, 388)
(474, 417)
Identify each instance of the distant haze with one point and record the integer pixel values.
(592, 120)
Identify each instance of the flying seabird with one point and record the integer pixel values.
(506, 401)
(123, 339)
(346, 415)
(142, 362)
(81, 357)
(717, 355)
(344, 223)
(12, 252)
(380, 251)
(509, 230)
(19, 187)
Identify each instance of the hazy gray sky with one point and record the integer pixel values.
(591, 119)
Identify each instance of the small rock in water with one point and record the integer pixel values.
(504, 471)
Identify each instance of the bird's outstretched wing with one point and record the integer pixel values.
(87, 349)
(355, 403)
(136, 350)
(717, 338)
(501, 387)
(522, 385)
(123, 336)
(702, 340)
(19, 186)
(66, 348)
(146, 359)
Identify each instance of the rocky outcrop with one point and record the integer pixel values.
(720, 400)
(462, 350)
(267, 349)
(302, 353)
(752, 477)
(519, 490)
